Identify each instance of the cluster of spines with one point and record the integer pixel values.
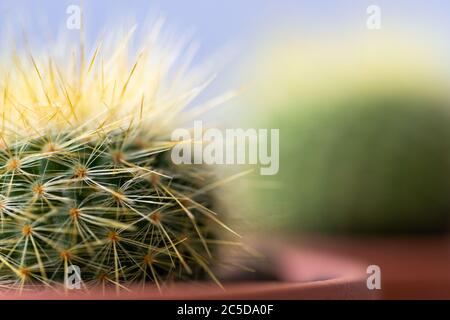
(111, 203)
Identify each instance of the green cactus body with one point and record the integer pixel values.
(367, 163)
(112, 204)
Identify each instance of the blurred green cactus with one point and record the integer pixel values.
(375, 162)
(364, 134)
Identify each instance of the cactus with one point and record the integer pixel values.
(365, 136)
(86, 175)
(369, 164)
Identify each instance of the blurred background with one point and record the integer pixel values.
(363, 113)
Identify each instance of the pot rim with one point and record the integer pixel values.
(304, 274)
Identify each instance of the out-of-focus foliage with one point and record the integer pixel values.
(364, 138)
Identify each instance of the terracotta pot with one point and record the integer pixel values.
(299, 274)
(412, 266)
